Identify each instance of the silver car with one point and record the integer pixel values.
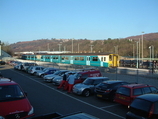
(49, 78)
(86, 88)
(35, 69)
(57, 80)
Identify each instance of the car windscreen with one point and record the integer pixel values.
(124, 91)
(104, 86)
(141, 104)
(88, 81)
(77, 75)
(57, 72)
(10, 92)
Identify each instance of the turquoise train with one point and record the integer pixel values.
(89, 59)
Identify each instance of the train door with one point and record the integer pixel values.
(101, 62)
(115, 60)
(88, 60)
(71, 60)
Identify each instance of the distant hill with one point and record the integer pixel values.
(125, 47)
(150, 36)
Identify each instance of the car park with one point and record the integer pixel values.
(33, 70)
(143, 107)
(56, 115)
(86, 88)
(125, 94)
(49, 78)
(107, 89)
(13, 101)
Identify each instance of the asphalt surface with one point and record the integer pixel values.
(45, 98)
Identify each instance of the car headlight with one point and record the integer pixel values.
(2, 117)
(57, 79)
(31, 111)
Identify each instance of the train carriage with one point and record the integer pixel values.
(89, 59)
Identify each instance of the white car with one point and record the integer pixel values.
(35, 69)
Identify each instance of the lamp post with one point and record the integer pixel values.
(0, 48)
(137, 60)
(48, 47)
(78, 48)
(116, 49)
(150, 47)
(59, 47)
(72, 45)
(133, 52)
(91, 48)
(142, 46)
(152, 52)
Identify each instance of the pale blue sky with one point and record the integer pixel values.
(27, 20)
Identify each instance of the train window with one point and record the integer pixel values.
(76, 58)
(88, 58)
(95, 59)
(41, 57)
(104, 58)
(110, 57)
(101, 58)
(62, 58)
(66, 58)
(82, 58)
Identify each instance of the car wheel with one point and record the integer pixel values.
(42, 75)
(34, 73)
(86, 93)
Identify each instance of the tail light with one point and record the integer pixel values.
(151, 112)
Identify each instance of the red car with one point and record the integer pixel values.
(13, 101)
(82, 75)
(125, 94)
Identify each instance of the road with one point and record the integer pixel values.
(45, 98)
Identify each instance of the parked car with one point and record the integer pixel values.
(35, 69)
(86, 88)
(18, 66)
(26, 65)
(107, 89)
(47, 71)
(125, 94)
(82, 75)
(143, 107)
(57, 80)
(2, 63)
(49, 78)
(13, 101)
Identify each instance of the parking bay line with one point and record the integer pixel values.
(109, 106)
(72, 97)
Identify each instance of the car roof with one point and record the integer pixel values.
(149, 97)
(96, 78)
(112, 81)
(135, 85)
(6, 81)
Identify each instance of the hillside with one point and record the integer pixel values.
(124, 46)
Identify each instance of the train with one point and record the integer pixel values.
(89, 59)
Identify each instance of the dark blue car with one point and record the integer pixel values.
(47, 71)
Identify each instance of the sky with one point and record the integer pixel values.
(28, 20)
